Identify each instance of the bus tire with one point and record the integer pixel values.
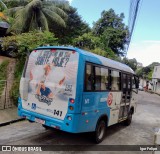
(46, 127)
(128, 121)
(100, 131)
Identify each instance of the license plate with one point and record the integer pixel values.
(40, 121)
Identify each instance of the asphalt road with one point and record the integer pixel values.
(146, 121)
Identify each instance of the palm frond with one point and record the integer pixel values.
(11, 12)
(3, 4)
(57, 10)
(19, 21)
(54, 17)
(33, 24)
(60, 4)
(42, 21)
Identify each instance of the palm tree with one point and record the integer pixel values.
(38, 14)
(3, 5)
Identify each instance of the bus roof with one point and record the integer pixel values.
(105, 61)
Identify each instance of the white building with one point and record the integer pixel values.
(156, 79)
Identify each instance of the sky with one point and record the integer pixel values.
(145, 43)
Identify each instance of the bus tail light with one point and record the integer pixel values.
(53, 50)
(71, 100)
(71, 108)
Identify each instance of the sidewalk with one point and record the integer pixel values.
(8, 116)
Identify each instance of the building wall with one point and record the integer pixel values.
(143, 82)
(156, 79)
(156, 72)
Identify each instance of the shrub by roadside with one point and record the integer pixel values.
(3, 74)
(29, 40)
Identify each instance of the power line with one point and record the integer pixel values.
(133, 11)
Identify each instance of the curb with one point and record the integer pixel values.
(12, 121)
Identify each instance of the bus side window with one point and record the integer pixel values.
(104, 79)
(88, 82)
(97, 83)
(135, 82)
(115, 80)
(129, 82)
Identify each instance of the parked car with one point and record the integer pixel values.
(140, 88)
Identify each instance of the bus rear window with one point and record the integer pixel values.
(48, 57)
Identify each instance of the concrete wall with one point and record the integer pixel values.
(156, 72)
(156, 85)
(142, 82)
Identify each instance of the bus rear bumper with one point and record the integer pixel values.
(76, 124)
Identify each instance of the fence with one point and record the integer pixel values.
(5, 99)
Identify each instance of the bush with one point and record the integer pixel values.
(3, 74)
(14, 92)
(29, 40)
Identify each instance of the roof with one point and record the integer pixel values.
(105, 61)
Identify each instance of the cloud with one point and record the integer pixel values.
(151, 41)
(145, 52)
(70, 1)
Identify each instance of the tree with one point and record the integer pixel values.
(131, 63)
(87, 40)
(30, 40)
(38, 14)
(147, 71)
(112, 31)
(2, 6)
(15, 3)
(75, 27)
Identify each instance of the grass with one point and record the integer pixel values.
(3, 74)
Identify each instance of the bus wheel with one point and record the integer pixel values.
(100, 131)
(46, 127)
(129, 119)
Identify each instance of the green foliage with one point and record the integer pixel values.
(37, 14)
(3, 74)
(14, 92)
(75, 27)
(112, 31)
(108, 54)
(87, 40)
(29, 40)
(131, 63)
(149, 76)
(2, 6)
(15, 3)
(146, 72)
(3, 68)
